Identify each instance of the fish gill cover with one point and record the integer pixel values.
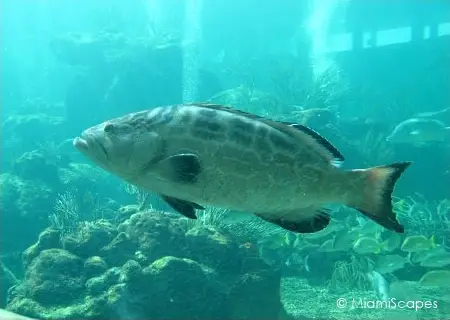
(208, 178)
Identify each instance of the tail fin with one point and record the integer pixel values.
(375, 194)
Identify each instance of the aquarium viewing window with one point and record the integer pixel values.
(344, 42)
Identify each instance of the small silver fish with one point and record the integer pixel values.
(436, 278)
(202, 154)
(419, 132)
(367, 245)
(379, 284)
(419, 256)
(435, 114)
(344, 240)
(390, 263)
(418, 243)
(436, 260)
(327, 246)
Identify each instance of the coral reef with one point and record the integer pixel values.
(147, 267)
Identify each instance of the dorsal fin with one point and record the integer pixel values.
(294, 130)
(337, 157)
(228, 109)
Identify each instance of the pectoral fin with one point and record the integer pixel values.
(180, 168)
(313, 223)
(186, 208)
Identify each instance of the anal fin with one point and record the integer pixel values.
(314, 223)
(186, 208)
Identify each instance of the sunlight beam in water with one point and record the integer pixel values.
(192, 39)
(154, 12)
(318, 27)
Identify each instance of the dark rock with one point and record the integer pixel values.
(131, 272)
(119, 250)
(155, 234)
(48, 239)
(89, 237)
(209, 246)
(55, 277)
(94, 266)
(255, 296)
(99, 285)
(170, 288)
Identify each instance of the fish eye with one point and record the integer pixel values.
(109, 128)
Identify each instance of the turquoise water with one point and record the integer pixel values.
(370, 77)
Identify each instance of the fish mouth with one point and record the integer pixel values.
(90, 147)
(80, 144)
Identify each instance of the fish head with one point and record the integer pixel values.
(120, 147)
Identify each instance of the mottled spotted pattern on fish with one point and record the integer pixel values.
(214, 155)
(237, 134)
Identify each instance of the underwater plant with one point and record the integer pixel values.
(350, 274)
(250, 99)
(373, 148)
(326, 91)
(141, 195)
(290, 80)
(71, 212)
(251, 230)
(65, 215)
(212, 216)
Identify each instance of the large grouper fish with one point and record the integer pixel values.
(8, 315)
(194, 155)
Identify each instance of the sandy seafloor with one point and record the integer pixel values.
(303, 301)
